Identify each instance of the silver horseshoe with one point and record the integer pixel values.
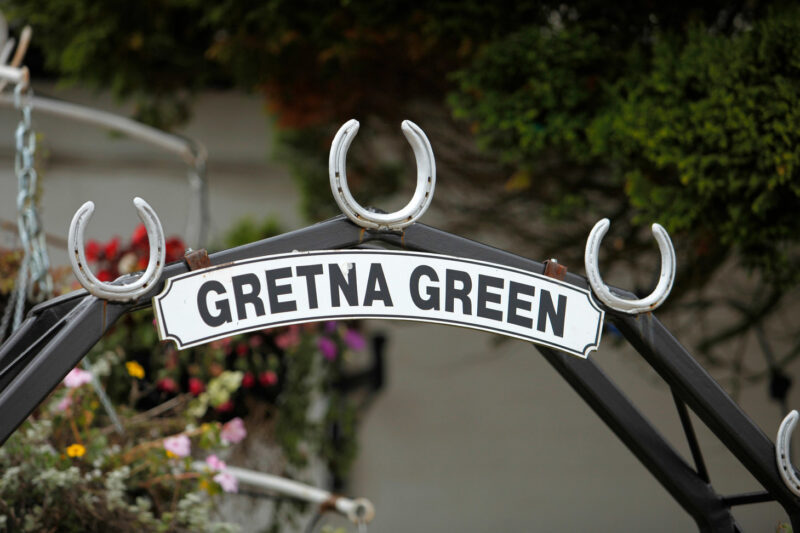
(426, 180)
(652, 301)
(107, 291)
(782, 443)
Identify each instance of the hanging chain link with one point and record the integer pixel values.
(33, 279)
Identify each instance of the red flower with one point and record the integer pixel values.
(268, 378)
(143, 261)
(175, 249)
(241, 349)
(104, 275)
(225, 407)
(112, 248)
(139, 237)
(92, 250)
(167, 385)
(248, 380)
(196, 386)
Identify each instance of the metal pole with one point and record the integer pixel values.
(359, 509)
(710, 402)
(192, 152)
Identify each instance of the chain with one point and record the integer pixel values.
(7, 313)
(33, 279)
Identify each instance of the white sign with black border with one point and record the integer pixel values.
(209, 304)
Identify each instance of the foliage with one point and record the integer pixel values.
(66, 468)
(276, 372)
(270, 377)
(681, 112)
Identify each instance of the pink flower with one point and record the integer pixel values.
(248, 380)
(64, 404)
(179, 445)
(167, 385)
(77, 377)
(327, 347)
(233, 431)
(354, 340)
(227, 482)
(289, 339)
(256, 341)
(330, 326)
(215, 463)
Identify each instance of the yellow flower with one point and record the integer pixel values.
(171, 455)
(76, 450)
(135, 369)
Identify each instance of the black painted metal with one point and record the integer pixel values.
(57, 334)
(691, 438)
(684, 484)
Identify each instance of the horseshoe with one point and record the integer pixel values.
(782, 443)
(426, 180)
(108, 291)
(632, 307)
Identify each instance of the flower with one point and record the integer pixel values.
(167, 385)
(104, 275)
(233, 431)
(139, 237)
(248, 380)
(77, 377)
(127, 263)
(330, 326)
(354, 340)
(227, 482)
(241, 349)
(327, 347)
(64, 404)
(92, 250)
(288, 339)
(174, 249)
(268, 378)
(225, 407)
(112, 248)
(76, 450)
(135, 369)
(255, 341)
(196, 386)
(178, 446)
(215, 463)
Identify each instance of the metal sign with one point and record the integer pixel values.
(209, 304)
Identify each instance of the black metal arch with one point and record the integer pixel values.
(58, 333)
